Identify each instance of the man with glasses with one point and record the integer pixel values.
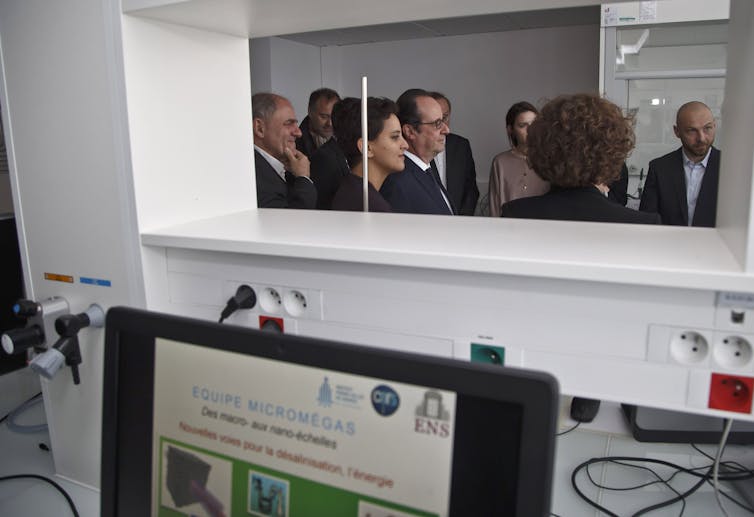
(456, 165)
(418, 188)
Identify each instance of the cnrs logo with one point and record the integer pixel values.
(385, 400)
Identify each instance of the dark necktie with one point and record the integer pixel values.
(435, 173)
(436, 176)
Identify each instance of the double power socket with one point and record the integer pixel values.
(702, 348)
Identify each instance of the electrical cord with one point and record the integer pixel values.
(716, 467)
(704, 474)
(11, 412)
(25, 429)
(736, 472)
(10, 416)
(615, 459)
(733, 466)
(245, 298)
(50, 481)
(561, 433)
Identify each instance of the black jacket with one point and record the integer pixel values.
(665, 191)
(273, 192)
(575, 204)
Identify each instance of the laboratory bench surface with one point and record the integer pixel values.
(21, 454)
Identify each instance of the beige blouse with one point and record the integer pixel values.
(511, 178)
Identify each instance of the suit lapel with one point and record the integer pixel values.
(706, 205)
(451, 163)
(268, 169)
(428, 184)
(678, 179)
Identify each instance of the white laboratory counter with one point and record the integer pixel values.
(21, 454)
(666, 256)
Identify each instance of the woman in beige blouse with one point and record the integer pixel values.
(510, 175)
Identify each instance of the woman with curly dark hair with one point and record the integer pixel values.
(578, 143)
(385, 145)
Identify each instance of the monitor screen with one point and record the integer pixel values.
(12, 290)
(208, 419)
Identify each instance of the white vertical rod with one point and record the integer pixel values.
(364, 143)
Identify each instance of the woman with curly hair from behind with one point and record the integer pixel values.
(578, 143)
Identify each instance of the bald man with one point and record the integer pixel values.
(682, 186)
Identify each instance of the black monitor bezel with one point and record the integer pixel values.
(127, 368)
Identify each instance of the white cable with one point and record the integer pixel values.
(603, 474)
(716, 466)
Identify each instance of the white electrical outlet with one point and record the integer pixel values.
(684, 346)
(270, 300)
(689, 347)
(280, 300)
(732, 352)
(295, 303)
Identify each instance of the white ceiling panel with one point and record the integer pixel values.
(589, 15)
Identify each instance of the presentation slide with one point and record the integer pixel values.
(241, 435)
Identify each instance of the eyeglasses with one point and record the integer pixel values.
(436, 123)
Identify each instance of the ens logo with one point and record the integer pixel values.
(385, 400)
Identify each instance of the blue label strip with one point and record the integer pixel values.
(95, 281)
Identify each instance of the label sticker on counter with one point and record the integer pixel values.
(59, 278)
(95, 281)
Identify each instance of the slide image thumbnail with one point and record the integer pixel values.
(193, 483)
(268, 495)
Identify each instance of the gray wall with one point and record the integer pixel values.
(287, 68)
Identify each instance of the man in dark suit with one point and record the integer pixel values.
(682, 186)
(329, 166)
(456, 165)
(418, 189)
(316, 128)
(282, 172)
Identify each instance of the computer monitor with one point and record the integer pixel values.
(201, 418)
(12, 290)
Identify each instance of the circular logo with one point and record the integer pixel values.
(385, 400)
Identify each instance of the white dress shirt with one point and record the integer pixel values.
(694, 175)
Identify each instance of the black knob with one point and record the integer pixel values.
(26, 308)
(17, 340)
